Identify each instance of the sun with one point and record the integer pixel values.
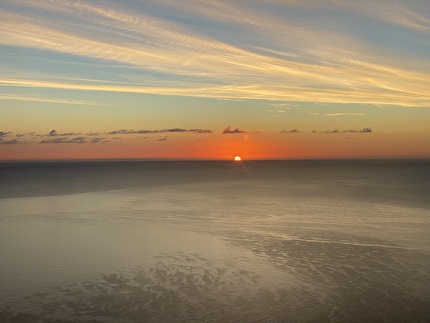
(237, 158)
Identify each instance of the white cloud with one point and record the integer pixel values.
(44, 99)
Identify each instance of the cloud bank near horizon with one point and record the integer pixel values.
(55, 137)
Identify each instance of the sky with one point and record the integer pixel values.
(211, 79)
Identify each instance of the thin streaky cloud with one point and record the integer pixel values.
(290, 70)
(343, 114)
(260, 92)
(46, 100)
(398, 12)
(319, 64)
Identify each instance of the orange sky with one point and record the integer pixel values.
(248, 146)
(116, 79)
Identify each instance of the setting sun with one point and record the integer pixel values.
(237, 158)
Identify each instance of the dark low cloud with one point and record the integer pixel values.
(290, 131)
(170, 130)
(128, 132)
(201, 130)
(54, 133)
(9, 142)
(62, 140)
(98, 140)
(364, 130)
(4, 133)
(228, 130)
(185, 130)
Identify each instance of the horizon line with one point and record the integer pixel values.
(5, 161)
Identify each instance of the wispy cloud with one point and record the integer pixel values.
(341, 114)
(267, 54)
(46, 100)
(337, 114)
(408, 14)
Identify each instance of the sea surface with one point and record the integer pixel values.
(215, 241)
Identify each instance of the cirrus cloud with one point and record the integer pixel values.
(255, 52)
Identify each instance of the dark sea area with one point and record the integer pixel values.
(215, 241)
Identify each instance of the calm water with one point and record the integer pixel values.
(272, 241)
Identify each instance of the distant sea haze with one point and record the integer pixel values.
(215, 241)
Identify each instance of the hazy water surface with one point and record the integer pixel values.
(298, 241)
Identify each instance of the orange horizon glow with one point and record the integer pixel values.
(321, 86)
(223, 148)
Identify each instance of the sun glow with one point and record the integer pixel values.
(237, 158)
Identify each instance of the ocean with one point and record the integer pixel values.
(215, 241)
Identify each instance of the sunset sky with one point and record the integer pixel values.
(214, 79)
